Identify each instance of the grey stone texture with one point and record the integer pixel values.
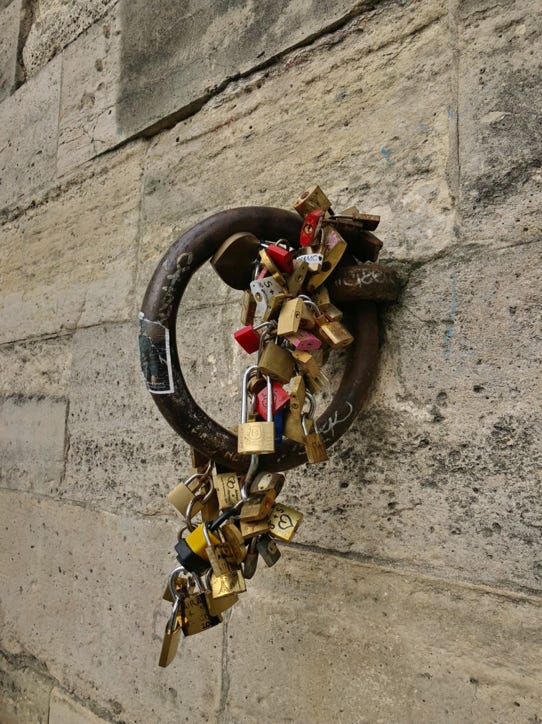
(10, 16)
(173, 57)
(79, 261)
(28, 141)
(412, 592)
(56, 24)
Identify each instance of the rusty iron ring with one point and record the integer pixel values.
(161, 304)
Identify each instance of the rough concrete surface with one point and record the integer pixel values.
(90, 72)
(78, 266)
(174, 56)
(9, 38)
(28, 135)
(412, 590)
(55, 25)
(337, 641)
(93, 614)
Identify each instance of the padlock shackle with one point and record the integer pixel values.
(244, 401)
(369, 282)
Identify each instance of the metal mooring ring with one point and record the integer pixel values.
(161, 304)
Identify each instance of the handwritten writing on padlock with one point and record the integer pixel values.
(284, 521)
(263, 290)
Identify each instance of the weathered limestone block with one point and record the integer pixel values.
(25, 689)
(376, 97)
(93, 612)
(10, 16)
(65, 710)
(120, 445)
(173, 56)
(499, 117)
(90, 76)
(334, 640)
(442, 470)
(36, 369)
(32, 442)
(28, 135)
(55, 25)
(70, 261)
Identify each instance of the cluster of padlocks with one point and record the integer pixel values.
(290, 323)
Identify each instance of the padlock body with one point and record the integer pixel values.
(284, 521)
(268, 550)
(290, 317)
(248, 339)
(225, 585)
(233, 259)
(256, 438)
(180, 498)
(227, 489)
(280, 399)
(311, 199)
(217, 606)
(196, 615)
(335, 335)
(170, 644)
(304, 341)
(281, 257)
(315, 448)
(276, 362)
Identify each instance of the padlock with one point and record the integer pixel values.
(289, 317)
(248, 308)
(217, 606)
(251, 561)
(276, 362)
(278, 420)
(198, 459)
(217, 553)
(257, 506)
(271, 267)
(312, 225)
(333, 333)
(191, 552)
(170, 643)
(313, 443)
(267, 481)
(303, 341)
(255, 437)
(210, 506)
(335, 247)
(248, 339)
(306, 363)
(369, 221)
(263, 291)
(196, 615)
(284, 522)
(307, 316)
(293, 429)
(227, 488)
(251, 528)
(234, 258)
(274, 307)
(297, 396)
(184, 492)
(227, 584)
(280, 399)
(268, 549)
(282, 257)
(297, 277)
(238, 549)
(311, 199)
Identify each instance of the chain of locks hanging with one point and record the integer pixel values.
(290, 323)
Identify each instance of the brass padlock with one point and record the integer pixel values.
(248, 309)
(196, 616)
(290, 317)
(284, 522)
(276, 362)
(227, 584)
(227, 488)
(255, 438)
(310, 200)
(313, 442)
(238, 549)
(251, 561)
(267, 481)
(268, 549)
(217, 606)
(234, 259)
(257, 506)
(172, 634)
(183, 493)
(335, 246)
(251, 528)
(333, 333)
(297, 278)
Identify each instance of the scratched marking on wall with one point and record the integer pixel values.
(451, 317)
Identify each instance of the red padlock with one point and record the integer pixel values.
(248, 339)
(311, 226)
(281, 257)
(280, 399)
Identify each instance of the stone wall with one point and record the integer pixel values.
(413, 590)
